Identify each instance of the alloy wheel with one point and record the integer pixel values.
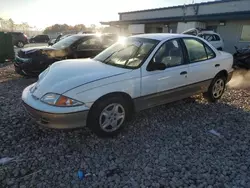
(218, 88)
(112, 117)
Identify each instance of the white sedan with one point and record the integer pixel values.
(134, 74)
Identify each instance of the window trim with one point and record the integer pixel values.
(242, 32)
(203, 43)
(182, 49)
(85, 39)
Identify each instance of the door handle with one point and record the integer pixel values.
(217, 65)
(184, 72)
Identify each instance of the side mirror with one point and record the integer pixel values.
(156, 66)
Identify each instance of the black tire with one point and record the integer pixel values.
(93, 121)
(209, 95)
(20, 44)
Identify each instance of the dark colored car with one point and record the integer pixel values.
(242, 58)
(39, 39)
(19, 39)
(32, 61)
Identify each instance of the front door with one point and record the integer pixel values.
(89, 47)
(161, 86)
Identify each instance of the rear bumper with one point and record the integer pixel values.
(57, 121)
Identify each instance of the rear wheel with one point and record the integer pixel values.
(216, 89)
(107, 117)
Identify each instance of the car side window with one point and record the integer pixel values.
(170, 54)
(208, 37)
(210, 53)
(216, 38)
(89, 44)
(197, 51)
(107, 41)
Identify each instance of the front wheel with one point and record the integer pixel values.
(216, 89)
(108, 115)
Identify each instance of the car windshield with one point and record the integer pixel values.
(66, 42)
(128, 53)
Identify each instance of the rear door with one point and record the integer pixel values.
(203, 64)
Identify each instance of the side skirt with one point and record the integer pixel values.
(149, 101)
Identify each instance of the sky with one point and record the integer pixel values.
(43, 13)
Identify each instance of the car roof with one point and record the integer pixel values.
(16, 32)
(89, 34)
(208, 31)
(161, 36)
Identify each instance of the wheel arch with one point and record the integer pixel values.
(222, 73)
(123, 95)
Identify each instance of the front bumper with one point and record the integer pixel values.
(24, 68)
(52, 116)
(57, 121)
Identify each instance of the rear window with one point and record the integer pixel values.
(217, 38)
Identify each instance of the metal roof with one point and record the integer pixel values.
(178, 6)
(160, 36)
(206, 17)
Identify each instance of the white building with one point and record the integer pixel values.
(230, 18)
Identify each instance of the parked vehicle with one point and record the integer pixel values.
(32, 61)
(242, 58)
(39, 39)
(137, 73)
(19, 39)
(212, 37)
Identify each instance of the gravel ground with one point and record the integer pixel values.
(167, 146)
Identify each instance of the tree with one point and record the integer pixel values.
(64, 28)
(11, 24)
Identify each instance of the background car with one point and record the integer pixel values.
(137, 73)
(39, 39)
(212, 37)
(32, 61)
(19, 39)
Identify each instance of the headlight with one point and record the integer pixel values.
(59, 100)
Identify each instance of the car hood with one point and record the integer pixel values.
(65, 75)
(50, 52)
